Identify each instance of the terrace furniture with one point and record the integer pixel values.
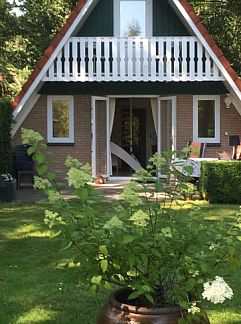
(23, 164)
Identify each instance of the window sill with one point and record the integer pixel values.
(60, 144)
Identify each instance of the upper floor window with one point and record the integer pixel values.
(60, 119)
(133, 18)
(206, 119)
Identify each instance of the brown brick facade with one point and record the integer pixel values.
(37, 119)
(230, 123)
(81, 149)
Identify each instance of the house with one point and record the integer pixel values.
(124, 79)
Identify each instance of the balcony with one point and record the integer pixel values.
(87, 59)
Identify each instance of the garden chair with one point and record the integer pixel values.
(197, 149)
(23, 164)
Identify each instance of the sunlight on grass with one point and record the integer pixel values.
(29, 230)
(225, 317)
(36, 315)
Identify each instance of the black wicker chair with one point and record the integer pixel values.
(23, 164)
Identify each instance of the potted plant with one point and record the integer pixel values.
(7, 182)
(188, 190)
(167, 260)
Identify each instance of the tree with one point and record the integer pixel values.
(223, 20)
(8, 32)
(133, 28)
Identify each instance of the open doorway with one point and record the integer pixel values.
(133, 135)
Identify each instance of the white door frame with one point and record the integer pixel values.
(93, 134)
(93, 126)
(174, 132)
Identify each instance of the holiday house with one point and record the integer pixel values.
(124, 79)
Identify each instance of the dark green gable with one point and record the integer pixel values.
(165, 20)
(101, 22)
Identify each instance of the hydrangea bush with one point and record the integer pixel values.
(146, 241)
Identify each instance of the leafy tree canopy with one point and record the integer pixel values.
(223, 20)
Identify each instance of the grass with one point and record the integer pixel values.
(33, 289)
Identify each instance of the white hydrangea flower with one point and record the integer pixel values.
(167, 232)
(217, 291)
(212, 247)
(194, 309)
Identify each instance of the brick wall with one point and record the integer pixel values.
(37, 120)
(230, 123)
(81, 149)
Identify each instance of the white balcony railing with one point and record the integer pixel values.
(133, 59)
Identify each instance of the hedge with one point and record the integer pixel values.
(5, 135)
(220, 181)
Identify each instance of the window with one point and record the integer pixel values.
(133, 18)
(60, 119)
(206, 119)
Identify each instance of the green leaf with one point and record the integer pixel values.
(96, 280)
(150, 298)
(39, 158)
(42, 169)
(103, 250)
(104, 265)
(55, 234)
(31, 150)
(51, 176)
(135, 294)
(93, 289)
(67, 246)
(83, 194)
(183, 304)
(128, 239)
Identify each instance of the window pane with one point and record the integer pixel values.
(132, 18)
(206, 118)
(60, 118)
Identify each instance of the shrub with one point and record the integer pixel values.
(5, 136)
(220, 181)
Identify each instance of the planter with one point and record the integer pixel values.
(8, 190)
(117, 312)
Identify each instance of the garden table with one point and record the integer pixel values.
(195, 163)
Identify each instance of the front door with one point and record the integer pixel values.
(100, 136)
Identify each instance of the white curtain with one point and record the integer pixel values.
(111, 123)
(154, 112)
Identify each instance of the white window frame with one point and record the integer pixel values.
(149, 22)
(215, 139)
(51, 138)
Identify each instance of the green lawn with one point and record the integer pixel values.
(33, 289)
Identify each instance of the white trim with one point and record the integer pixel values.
(215, 139)
(93, 135)
(50, 137)
(148, 17)
(207, 47)
(61, 44)
(173, 99)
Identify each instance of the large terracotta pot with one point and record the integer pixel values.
(116, 312)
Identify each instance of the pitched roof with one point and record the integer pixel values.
(78, 8)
